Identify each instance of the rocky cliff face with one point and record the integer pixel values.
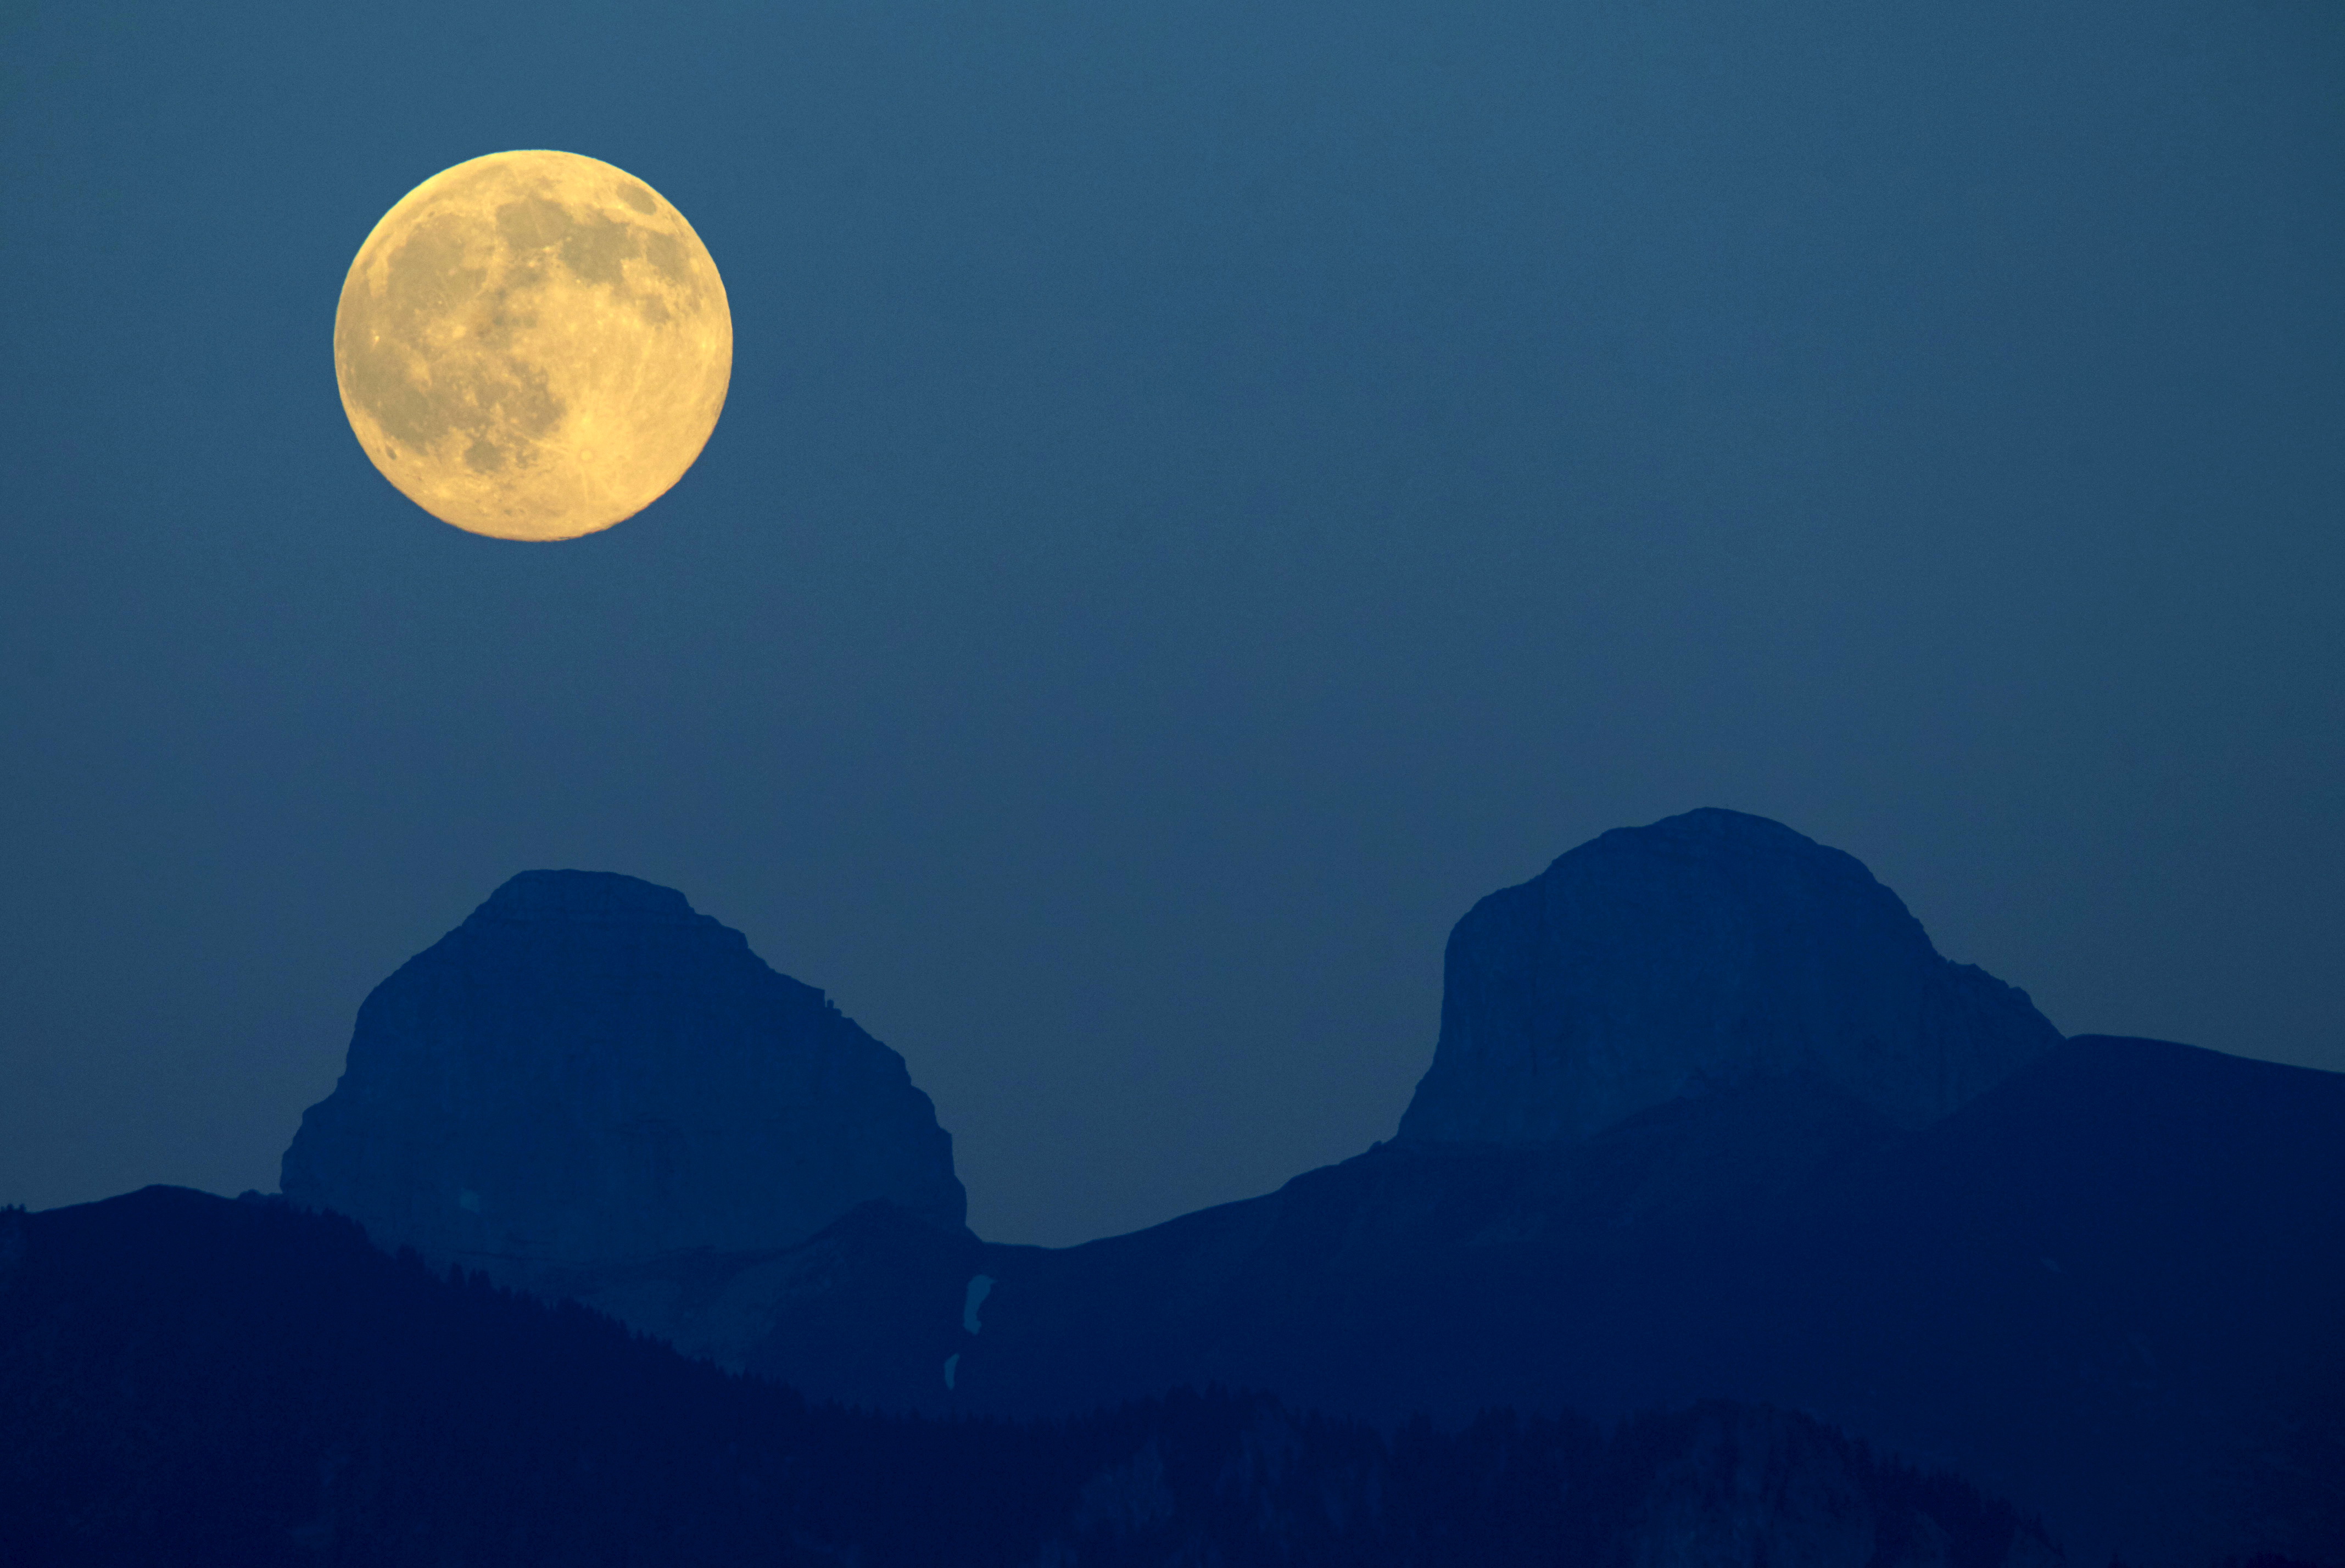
(1707, 949)
(587, 1072)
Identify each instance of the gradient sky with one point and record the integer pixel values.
(1209, 489)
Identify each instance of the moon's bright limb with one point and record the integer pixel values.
(533, 345)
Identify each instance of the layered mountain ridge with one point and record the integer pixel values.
(1707, 1117)
(189, 1379)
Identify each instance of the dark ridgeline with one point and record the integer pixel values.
(188, 1379)
(2109, 1289)
(1710, 1127)
(2100, 1276)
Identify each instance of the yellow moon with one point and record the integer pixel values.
(532, 345)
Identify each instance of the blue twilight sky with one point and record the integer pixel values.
(1209, 489)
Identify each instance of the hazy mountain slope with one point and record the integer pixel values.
(2121, 1277)
(2113, 1284)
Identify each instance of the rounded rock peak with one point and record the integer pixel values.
(1716, 833)
(1719, 824)
(589, 898)
(1692, 956)
(587, 1072)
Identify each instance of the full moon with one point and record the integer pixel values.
(532, 345)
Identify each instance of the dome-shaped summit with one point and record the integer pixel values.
(1704, 951)
(588, 898)
(586, 1071)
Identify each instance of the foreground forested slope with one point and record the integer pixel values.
(188, 1379)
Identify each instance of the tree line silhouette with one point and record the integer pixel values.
(186, 1380)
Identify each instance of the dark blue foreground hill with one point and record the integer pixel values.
(2112, 1288)
(188, 1380)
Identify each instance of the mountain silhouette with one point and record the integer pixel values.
(1709, 1118)
(193, 1380)
(587, 1073)
(1658, 962)
(2105, 1286)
